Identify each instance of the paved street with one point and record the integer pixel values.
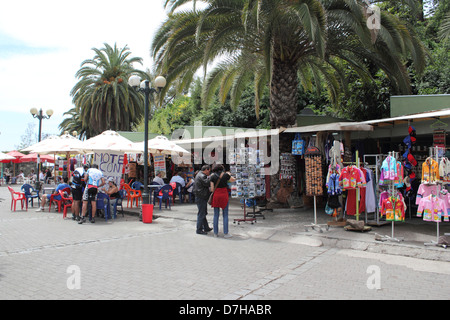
(43, 256)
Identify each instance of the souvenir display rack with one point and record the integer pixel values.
(247, 165)
(313, 165)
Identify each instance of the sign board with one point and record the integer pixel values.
(111, 164)
(160, 164)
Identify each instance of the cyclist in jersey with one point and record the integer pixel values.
(94, 179)
(78, 184)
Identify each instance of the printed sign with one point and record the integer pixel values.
(160, 164)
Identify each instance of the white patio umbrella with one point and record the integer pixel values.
(109, 141)
(58, 145)
(161, 145)
(4, 156)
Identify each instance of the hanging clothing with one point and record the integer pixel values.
(425, 190)
(350, 178)
(432, 208)
(370, 193)
(430, 170)
(393, 208)
(444, 170)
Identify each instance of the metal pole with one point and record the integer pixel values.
(145, 194)
(40, 117)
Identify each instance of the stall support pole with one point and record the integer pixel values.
(315, 225)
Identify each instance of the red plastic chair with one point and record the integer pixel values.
(60, 202)
(17, 196)
(132, 195)
(66, 202)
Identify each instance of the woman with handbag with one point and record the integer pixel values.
(219, 188)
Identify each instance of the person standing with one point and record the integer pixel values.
(78, 184)
(220, 197)
(94, 179)
(201, 192)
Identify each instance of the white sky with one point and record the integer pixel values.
(42, 46)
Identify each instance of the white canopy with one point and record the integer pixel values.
(57, 145)
(109, 141)
(162, 145)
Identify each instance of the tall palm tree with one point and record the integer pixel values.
(73, 123)
(282, 43)
(102, 96)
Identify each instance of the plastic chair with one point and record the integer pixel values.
(101, 197)
(129, 194)
(136, 186)
(17, 196)
(155, 191)
(66, 202)
(118, 202)
(165, 194)
(177, 191)
(59, 201)
(28, 190)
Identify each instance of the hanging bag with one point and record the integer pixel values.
(298, 145)
(215, 187)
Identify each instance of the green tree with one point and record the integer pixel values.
(280, 44)
(102, 96)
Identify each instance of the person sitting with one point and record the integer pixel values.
(21, 177)
(158, 179)
(42, 176)
(179, 177)
(46, 197)
(187, 191)
(32, 176)
(113, 190)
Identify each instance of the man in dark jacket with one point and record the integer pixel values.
(201, 192)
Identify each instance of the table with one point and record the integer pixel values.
(152, 188)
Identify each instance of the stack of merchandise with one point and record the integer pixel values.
(248, 167)
(313, 168)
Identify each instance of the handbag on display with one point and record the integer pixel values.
(298, 145)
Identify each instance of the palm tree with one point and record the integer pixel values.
(282, 43)
(102, 96)
(73, 123)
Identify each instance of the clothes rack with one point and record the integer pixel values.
(434, 153)
(377, 159)
(393, 192)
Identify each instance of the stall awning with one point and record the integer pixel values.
(432, 115)
(253, 133)
(336, 127)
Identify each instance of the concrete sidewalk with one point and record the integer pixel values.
(288, 225)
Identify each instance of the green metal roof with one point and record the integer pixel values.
(138, 136)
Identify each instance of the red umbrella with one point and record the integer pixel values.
(15, 154)
(32, 157)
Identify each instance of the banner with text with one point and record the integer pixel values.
(111, 164)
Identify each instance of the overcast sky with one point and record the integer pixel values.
(43, 43)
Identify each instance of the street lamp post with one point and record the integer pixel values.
(144, 86)
(40, 115)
